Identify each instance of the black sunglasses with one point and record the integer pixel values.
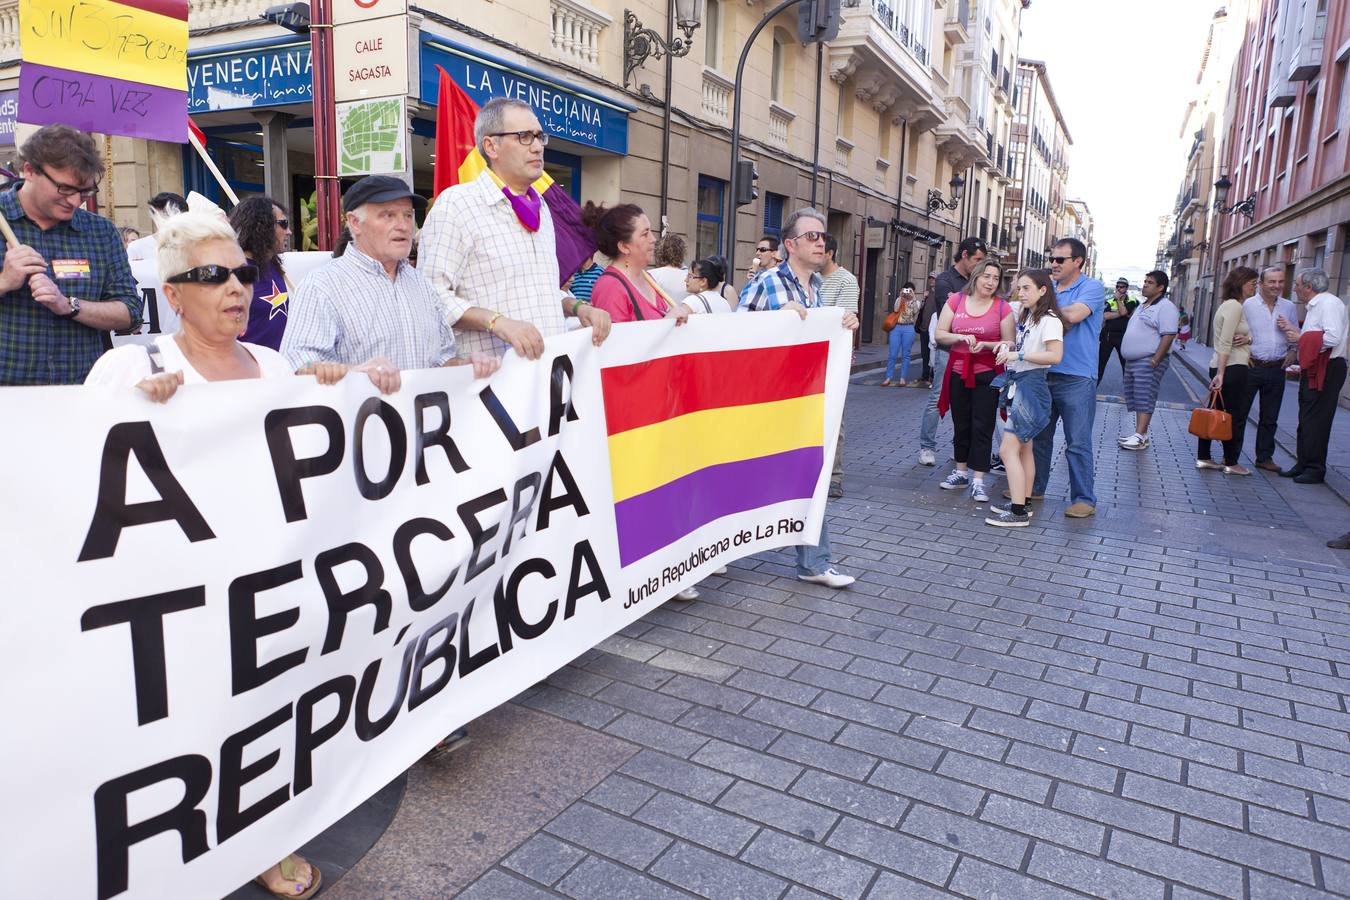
(214, 274)
(1060, 260)
(811, 236)
(283, 223)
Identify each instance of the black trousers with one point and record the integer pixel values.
(926, 352)
(1109, 342)
(1235, 404)
(1316, 409)
(973, 411)
(1268, 385)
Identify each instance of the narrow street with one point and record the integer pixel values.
(1149, 703)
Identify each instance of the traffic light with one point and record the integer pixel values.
(818, 21)
(747, 178)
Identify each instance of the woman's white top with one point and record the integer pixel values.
(125, 366)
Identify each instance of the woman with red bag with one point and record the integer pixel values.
(1228, 370)
(973, 324)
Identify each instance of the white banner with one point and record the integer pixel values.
(232, 618)
(157, 317)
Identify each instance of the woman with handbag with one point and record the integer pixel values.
(973, 324)
(1228, 370)
(626, 290)
(900, 324)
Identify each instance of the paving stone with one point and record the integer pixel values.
(1063, 765)
(995, 776)
(1253, 790)
(619, 794)
(862, 711)
(708, 693)
(715, 877)
(1305, 833)
(914, 784)
(642, 701)
(543, 859)
(1098, 807)
(1092, 875)
(498, 885)
(778, 810)
(599, 879)
(715, 723)
(758, 683)
(609, 835)
(676, 775)
(695, 822)
(823, 755)
(1042, 823)
(980, 880)
(656, 735)
(1127, 757)
(1249, 850)
(804, 721)
(963, 834)
(888, 746)
(886, 847)
(957, 737)
(849, 797)
(1202, 804)
(809, 864)
(746, 763)
(889, 886)
(1175, 863)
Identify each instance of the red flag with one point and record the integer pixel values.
(196, 132)
(455, 113)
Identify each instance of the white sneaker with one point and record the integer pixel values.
(689, 593)
(720, 570)
(926, 458)
(957, 481)
(1135, 442)
(977, 492)
(829, 578)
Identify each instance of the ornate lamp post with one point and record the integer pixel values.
(640, 42)
(935, 201)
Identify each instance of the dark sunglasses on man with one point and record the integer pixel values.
(214, 274)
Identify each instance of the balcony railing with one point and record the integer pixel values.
(576, 32)
(717, 96)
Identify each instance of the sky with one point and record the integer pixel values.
(1122, 74)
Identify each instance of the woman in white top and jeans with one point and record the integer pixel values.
(1025, 395)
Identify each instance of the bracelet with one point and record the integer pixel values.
(580, 303)
(1021, 356)
(492, 322)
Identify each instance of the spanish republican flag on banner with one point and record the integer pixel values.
(458, 161)
(745, 430)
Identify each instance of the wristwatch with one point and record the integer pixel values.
(74, 308)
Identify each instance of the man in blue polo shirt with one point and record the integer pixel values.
(1073, 382)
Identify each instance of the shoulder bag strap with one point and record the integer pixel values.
(637, 310)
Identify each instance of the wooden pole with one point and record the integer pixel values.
(211, 165)
(10, 240)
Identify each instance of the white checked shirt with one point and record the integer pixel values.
(349, 310)
(476, 253)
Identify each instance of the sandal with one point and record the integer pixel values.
(886, 382)
(288, 868)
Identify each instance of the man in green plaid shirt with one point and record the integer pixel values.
(70, 282)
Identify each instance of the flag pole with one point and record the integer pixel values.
(211, 165)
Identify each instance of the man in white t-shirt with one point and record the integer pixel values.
(1144, 347)
(162, 206)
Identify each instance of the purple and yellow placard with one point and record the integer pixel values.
(113, 68)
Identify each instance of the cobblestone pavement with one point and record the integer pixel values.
(1148, 704)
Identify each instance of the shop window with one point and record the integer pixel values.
(565, 170)
(711, 203)
(773, 214)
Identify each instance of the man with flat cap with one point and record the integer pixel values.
(369, 308)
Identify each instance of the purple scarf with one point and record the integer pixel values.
(527, 206)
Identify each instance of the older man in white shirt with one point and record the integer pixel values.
(1316, 408)
(488, 245)
(1271, 350)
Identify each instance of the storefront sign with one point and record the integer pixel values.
(9, 108)
(345, 11)
(271, 76)
(565, 113)
(370, 59)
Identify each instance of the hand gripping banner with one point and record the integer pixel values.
(232, 618)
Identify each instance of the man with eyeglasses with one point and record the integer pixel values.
(70, 280)
(1072, 381)
(489, 245)
(795, 285)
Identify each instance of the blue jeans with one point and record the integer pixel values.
(902, 345)
(1073, 398)
(928, 435)
(814, 560)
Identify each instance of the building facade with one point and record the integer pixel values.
(1286, 139)
(908, 94)
(1037, 200)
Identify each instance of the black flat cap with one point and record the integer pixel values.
(380, 189)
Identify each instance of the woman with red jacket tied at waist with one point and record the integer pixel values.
(973, 324)
(625, 290)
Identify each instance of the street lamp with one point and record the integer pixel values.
(1247, 207)
(935, 201)
(640, 42)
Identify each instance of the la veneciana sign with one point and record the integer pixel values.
(267, 76)
(564, 112)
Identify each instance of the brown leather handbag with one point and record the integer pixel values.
(1211, 422)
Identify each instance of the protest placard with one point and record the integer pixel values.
(234, 617)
